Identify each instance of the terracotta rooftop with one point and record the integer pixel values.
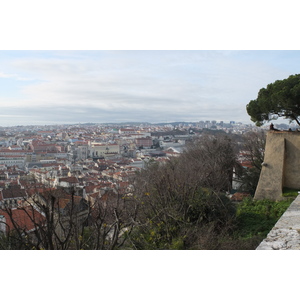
(25, 218)
(12, 193)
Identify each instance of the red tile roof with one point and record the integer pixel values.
(24, 218)
(13, 193)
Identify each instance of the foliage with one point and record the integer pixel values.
(181, 208)
(257, 217)
(279, 99)
(253, 147)
(178, 225)
(181, 197)
(249, 179)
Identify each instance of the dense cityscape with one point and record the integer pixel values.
(94, 160)
(59, 154)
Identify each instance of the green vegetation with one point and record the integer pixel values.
(183, 203)
(255, 218)
(279, 99)
(211, 227)
(288, 192)
(192, 224)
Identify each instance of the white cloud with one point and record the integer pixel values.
(3, 75)
(156, 85)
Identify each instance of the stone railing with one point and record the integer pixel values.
(285, 235)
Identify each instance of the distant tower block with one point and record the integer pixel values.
(281, 166)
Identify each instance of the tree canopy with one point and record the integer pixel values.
(278, 99)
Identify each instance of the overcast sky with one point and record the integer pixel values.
(55, 87)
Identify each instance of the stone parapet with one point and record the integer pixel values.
(285, 235)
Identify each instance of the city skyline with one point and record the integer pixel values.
(62, 87)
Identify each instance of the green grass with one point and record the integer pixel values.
(257, 217)
(288, 192)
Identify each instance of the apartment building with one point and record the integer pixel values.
(144, 142)
(98, 150)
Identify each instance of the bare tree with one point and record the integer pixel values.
(55, 218)
(253, 153)
(61, 220)
(112, 218)
(210, 161)
(183, 194)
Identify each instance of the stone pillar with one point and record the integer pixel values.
(272, 174)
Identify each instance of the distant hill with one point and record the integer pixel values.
(126, 123)
(175, 123)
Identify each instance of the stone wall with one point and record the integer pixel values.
(281, 166)
(285, 235)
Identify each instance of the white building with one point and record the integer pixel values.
(98, 150)
(10, 161)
